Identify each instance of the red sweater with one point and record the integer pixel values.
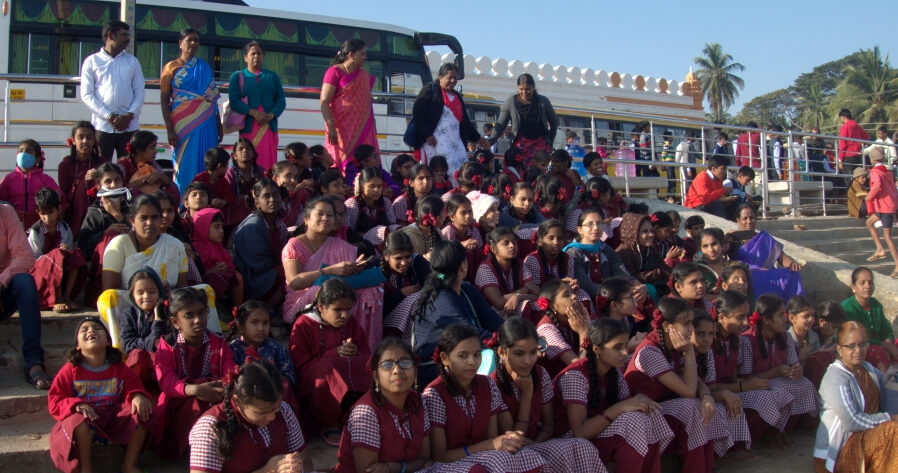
(220, 190)
(848, 149)
(704, 190)
(75, 385)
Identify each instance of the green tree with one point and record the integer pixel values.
(812, 107)
(773, 108)
(870, 88)
(719, 83)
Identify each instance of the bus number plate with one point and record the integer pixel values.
(17, 95)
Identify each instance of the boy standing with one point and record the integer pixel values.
(882, 202)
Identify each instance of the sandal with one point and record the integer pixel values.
(325, 435)
(38, 378)
(894, 274)
(61, 308)
(876, 257)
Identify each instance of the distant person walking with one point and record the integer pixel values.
(189, 97)
(346, 103)
(850, 155)
(882, 202)
(533, 120)
(112, 87)
(265, 103)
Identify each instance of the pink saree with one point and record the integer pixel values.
(265, 141)
(368, 310)
(353, 112)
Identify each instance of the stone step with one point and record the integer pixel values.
(57, 338)
(801, 237)
(787, 223)
(18, 398)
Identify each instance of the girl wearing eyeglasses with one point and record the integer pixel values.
(854, 433)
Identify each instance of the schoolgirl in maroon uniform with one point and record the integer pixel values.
(368, 208)
(595, 195)
(664, 368)
(95, 395)
(564, 325)
(403, 269)
(499, 276)
(418, 185)
(461, 228)
(485, 208)
(252, 429)
(329, 350)
(774, 357)
(729, 416)
(143, 325)
(548, 260)
(242, 176)
(687, 283)
(190, 363)
(440, 168)
(527, 394)
(464, 406)
(616, 299)
(593, 402)
(77, 174)
(469, 178)
(513, 165)
(521, 212)
(664, 231)
(285, 175)
(550, 197)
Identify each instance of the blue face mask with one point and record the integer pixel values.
(25, 160)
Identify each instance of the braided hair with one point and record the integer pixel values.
(592, 192)
(410, 196)
(445, 260)
(701, 359)
(767, 306)
(541, 233)
(549, 189)
(671, 310)
(255, 381)
(466, 176)
(242, 315)
(429, 205)
(449, 339)
(726, 304)
(493, 239)
(513, 158)
(94, 152)
(601, 332)
(513, 330)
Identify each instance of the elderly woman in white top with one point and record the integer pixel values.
(854, 433)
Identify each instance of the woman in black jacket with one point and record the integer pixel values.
(442, 126)
(533, 120)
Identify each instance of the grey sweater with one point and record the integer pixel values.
(509, 112)
(842, 410)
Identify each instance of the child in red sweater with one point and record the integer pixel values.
(220, 193)
(96, 396)
(57, 263)
(706, 193)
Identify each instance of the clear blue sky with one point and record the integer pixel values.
(774, 40)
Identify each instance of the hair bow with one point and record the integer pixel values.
(543, 303)
(671, 281)
(428, 220)
(536, 196)
(455, 175)
(128, 148)
(654, 218)
(585, 344)
(436, 356)
(755, 318)
(486, 249)
(657, 319)
(410, 215)
(69, 142)
(231, 376)
(482, 159)
(601, 302)
(477, 180)
(507, 194)
(493, 341)
(234, 313)
(595, 194)
(713, 312)
(165, 303)
(441, 276)
(562, 194)
(491, 189)
(405, 182)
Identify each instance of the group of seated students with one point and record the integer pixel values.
(642, 342)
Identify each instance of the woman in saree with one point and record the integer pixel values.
(772, 270)
(346, 103)
(265, 102)
(189, 96)
(144, 245)
(315, 256)
(854, 434)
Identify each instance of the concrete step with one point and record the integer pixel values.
(57, 338)
(18, 398)
(800, 237)
(819, 222)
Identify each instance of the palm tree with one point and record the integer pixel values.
(719, 83)
(812, 106)
(870, 88)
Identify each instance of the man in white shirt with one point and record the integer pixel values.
(686, 154)
(883, 141)
(112, 86)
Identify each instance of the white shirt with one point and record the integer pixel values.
(112, 85)
(888, 149)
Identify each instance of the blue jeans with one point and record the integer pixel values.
(21, 294)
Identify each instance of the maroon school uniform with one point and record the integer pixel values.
(691, 442)
(723, 428)
(474, 256)
(780, 350)
(568, 455)
(361, 217)
(252, 446)
(635, 439)
(53, 262)
(470, 416)
(370, 423)
(560, 339)
(71, 174)
(323, 376)
(293, 206)
(108, 390)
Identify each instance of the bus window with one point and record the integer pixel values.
(376, 69)
(402, 45)
(150, 56)
(30, 54)
(405, 83)
(285, 65)
(314, 69)
(230, 60)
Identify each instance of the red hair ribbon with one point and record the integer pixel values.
(477, 180)
(230, 376)
(232, 324)
(69, 142)
(654, 218)
(252, 354)
(595, 194)
(128, 148)
(562, 194)
(755, 318)
(543, 303)
(486, 249)
(482, 158)
(534, 238)
(410, 215)
(428, 220)
(713, 312)
(657, 319)
(493, 341)
(369, 366)
(436, 356)
(491, 189)
(405, 181)
(165, 303)
(455, 175)
(671, 282)
(234, 313)
(601, 302)
(536, 196)
(585, 344)
(719, 282)
(507, 194)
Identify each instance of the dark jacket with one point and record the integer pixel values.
(427, 111)
(509, 112)
(646, 264)
(254, 257)
(95, 223)
(612, 266)
(141, 330)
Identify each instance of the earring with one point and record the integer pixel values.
(376, 387)
(415, 387)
